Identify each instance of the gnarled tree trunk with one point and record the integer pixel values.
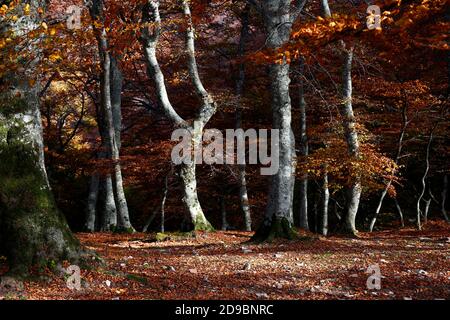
(149, 39)
(32, 230)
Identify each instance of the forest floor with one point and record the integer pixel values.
(222, 265)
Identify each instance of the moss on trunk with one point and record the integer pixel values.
(346, 230)
(279, 228)
(201, 224)
(32, 230)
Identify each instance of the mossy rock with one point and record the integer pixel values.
(135, 277)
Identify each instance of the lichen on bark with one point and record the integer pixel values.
(32, 230)
(279, 227)
(202, 224)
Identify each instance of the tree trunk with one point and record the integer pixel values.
(335, 210)
(400, 212)
(32, 230)
(116, 80)
(223, 212)
(149, 39)
(324, 207)
(405, 123)
(427, 208)
(190, 198)
(106, 218)
(150, 219)
(189, 182)
(116, 84)
(243, 194)
(123, 217)
(354, 191)
(163, 203)
(277, 223)
(351, 136)
(424, 177)
(293, 178)
(109, 212)
(111, 87)
(92, 203)
(380, 203)
(325, 8)
(304, 151)
(444, 198)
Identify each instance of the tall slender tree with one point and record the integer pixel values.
(115, 215)
(243, 194)
(351, 135)
(304, 151)
(278, 17)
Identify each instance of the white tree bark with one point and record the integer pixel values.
(208, 107)
(110, 86)
(427, 209)
(351, 136)
(304, 151)
(325, 197)
(163, 203)
(278, 17)
(109, 212)
(116, 80)
(243, 193)
(424, 178)
(92, 203)
(325, 8)
(325, 193)
(400, 212)
(190, 198)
